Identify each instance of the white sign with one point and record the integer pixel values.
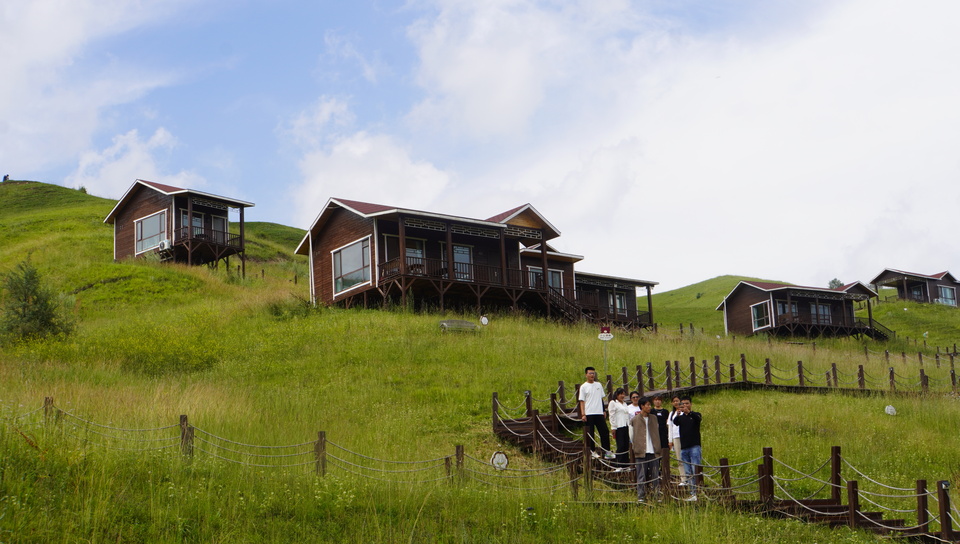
(605, 336)
(499, 460)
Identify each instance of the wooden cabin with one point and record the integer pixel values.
(370, 254)
(936, 289)
(780, 309)
(180, 225)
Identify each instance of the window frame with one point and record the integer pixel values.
(952, 299)
(754, 319)
(138, 232)
(336, 261)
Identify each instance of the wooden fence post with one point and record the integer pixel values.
(800, 377)
(588, 460)
(953, 380)
(640, 388)
(923, 518)
(833, 369)
(459, 454)
(554, 415)
(733, 373)
(536, 432)
(563, 395)
(626, 382)
(853, 503)
(676, 373)
(669, 377)
(861, 380)
(609, 387)
(768, 472)
(835, 482)
(767, 374)
(651, 383)
(886, 355)
(320, 453)
(48, 409)
(693, 373)
(186, 437)
(706, 373)
(938, 358)
(943, 498)
(448, 468)
(827, 376)
(893, 380)
(920, 357)
(716, 367)
(495, 417)
(725, 479)
(529, 402)
(743, 368)
(924, 385)
(574, 481)
(665, 480)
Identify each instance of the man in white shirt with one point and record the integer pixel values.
(591, 411)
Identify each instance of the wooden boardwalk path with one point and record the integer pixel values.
(558, 435)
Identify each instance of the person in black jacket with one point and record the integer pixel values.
(690, 451)
(662, 415)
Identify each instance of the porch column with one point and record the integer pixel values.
(650, 304)
(543, 259)
(503, 258)
(449, 252)
(403, 246)
(243, 246)
(189, 230)
(402, 232)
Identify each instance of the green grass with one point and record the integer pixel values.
(245, 360)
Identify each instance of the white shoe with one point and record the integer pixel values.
(691, 498)
(609, 455)
(641, 501)
(594, 454)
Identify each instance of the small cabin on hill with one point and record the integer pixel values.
(181, 225)
(781, 309)
(936, 289)
(370, 254)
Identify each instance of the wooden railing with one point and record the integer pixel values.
(467, 272)
(218, 237)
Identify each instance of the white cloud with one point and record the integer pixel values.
(317, 124)
(111, 171)
(49, 104)
(780, 154)
(365, 167)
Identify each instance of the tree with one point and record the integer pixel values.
(835, 284)
(30, 310)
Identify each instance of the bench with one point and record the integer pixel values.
(458, 325)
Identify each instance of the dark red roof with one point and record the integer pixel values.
(366, 208)
(163, 187)
(501, 216)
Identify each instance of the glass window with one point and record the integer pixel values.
(782, 307)
(151, 231)
(617, 302)
(462, 260)
(351, 265)
(536, 276)
(948, 296)
(820, 314)
(761, 315)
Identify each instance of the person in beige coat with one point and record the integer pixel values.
(646, 448)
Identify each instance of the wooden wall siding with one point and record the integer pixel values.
(738, 313)
(341, 229)
(565, 268)
(142, 203)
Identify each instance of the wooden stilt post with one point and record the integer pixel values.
(800, 377)
(861, 380)
(767, 374)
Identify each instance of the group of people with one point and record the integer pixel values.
(644, 427)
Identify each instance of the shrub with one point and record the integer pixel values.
(31, 310)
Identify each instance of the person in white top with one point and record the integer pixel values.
(619, 419)
(633, 408)
(674, 435)
(591, 411)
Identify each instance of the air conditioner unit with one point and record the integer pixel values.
(164, 245)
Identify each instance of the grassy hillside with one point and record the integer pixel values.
(244, 359)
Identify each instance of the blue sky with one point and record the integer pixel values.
(671, 141)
